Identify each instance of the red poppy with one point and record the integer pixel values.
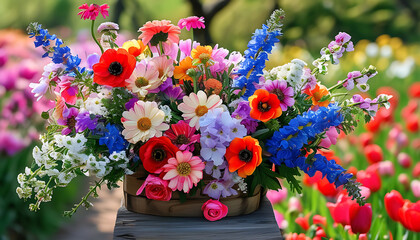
(393, 202)
(114, 67)
(264, 105)
(244, 155)
(360, 217)
(156, 152)
(409, 215)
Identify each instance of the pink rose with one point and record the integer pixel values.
(214, 210)
(156, 188)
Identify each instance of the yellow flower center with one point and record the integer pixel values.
(201, 110)
(141, 82)
(204, 57)
(144, 124)
(183, 169)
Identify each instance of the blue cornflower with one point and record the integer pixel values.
(113, 139)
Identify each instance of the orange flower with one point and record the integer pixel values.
(264, 105)
(214, 84)
(180, 71)
(202, 54)
(316, 94)
(244, 155)
(134, 47)
(159, 31)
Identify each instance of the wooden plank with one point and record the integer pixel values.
(260, 224)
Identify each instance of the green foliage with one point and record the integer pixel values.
(116, 104)
(263, 176)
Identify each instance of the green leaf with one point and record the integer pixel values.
(182, 196)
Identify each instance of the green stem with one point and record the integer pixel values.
(84, 199)
(161, 48)
(93, 35)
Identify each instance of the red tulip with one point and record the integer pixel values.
(373, 153)
(340, 210)
(416, 170)
(326, 188)
(318, 219)
(412, 123)
(404, 160)
(370, 179)
(375, 124)
(360, 218)
(366, 139)
(410, 109)
(414, 90)
(393, 202)
(309, 181)
(410, 215)
(303, 222)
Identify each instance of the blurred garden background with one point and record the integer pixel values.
(384, 155)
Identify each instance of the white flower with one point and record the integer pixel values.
(168, 112)
(95, 106)
(196, 105)
(143, 121)
(65, 178)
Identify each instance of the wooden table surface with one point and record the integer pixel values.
(260, 224)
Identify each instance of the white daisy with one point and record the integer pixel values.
(143, 121)
(196, 105)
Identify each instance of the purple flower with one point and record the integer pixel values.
(213, 151)
(342, 38)
(92, 59)
(214, 189)
(84, 121)
(310, 81)
(69, 120)
(284, 93)
(174, 93)
(215, 171)
(10, 143)
(130, 104)
(367, 103)
(242, 113)
(349, 84)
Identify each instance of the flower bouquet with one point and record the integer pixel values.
(192, 128)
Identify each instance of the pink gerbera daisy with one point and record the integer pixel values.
(191, 22)
(159, 31)
(284, 93)
(183, 171)
(182, 136)
(93, 10)
(164, 65)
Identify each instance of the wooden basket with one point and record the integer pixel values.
(238, 205)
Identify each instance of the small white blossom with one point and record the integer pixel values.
(168, 113)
